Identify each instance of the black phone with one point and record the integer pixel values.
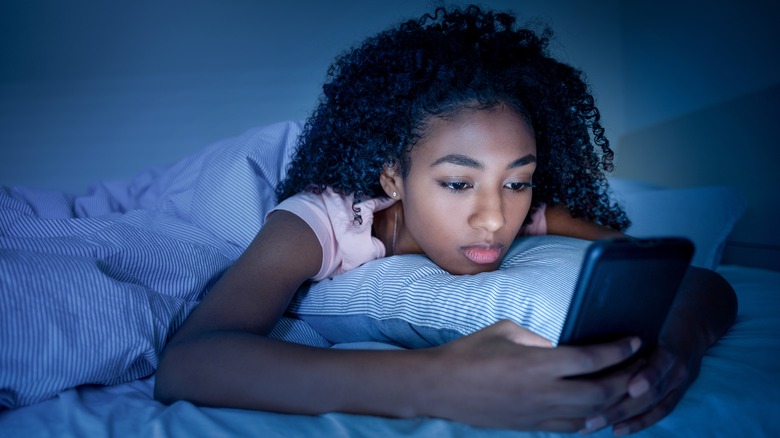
(626, 288)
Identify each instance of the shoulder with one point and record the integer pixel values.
(333, 207)
(343, 227)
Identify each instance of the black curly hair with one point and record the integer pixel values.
(380, 96)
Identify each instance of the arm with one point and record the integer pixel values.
(561, 223)
(221, 357)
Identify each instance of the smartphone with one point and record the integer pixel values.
(626, 288)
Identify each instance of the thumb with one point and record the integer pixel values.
(521, 335)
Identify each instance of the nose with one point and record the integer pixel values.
(488, 212)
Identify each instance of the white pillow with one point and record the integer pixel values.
(409, 301)
(706, 215)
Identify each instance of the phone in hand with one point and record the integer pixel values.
(626, 288)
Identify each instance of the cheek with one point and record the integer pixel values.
(429, 217)
(433, 222)
(520, 210)
(516, 214)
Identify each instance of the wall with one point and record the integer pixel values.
(682, 56)
(101, 90)
(702, 93)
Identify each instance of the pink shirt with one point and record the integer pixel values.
(346, 244)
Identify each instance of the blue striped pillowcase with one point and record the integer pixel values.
(410, 302)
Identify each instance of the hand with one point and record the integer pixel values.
(653, 392)
(705, 307)
(493, 378)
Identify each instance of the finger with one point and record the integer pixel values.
(655, 399)
(649, 418)
(586, 396)
(521, 335)
(592, 358)
(656, 369)
(620, 412)
(560, 425)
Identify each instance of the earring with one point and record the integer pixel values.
(394, 194)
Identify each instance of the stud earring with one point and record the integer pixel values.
(395, 194)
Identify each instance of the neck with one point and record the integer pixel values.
(389, 228)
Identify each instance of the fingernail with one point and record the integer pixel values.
(620, 431)
(594, 424)
(638, 387)
(635, 344)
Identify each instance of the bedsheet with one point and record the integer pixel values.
(736, 395)
(92, 285)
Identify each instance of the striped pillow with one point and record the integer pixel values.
(409, 301)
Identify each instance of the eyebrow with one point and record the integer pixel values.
(524, 161)
(464, 160)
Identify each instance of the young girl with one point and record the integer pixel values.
(449, 137)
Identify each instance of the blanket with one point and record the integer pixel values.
(93, 285)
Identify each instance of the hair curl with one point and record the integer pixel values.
(379, 97)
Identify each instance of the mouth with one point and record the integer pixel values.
(483, 254)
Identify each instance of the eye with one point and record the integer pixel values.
(519, 186)
(456, 186)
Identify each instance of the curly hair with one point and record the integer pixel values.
(379, 98)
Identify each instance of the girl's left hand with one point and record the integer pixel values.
(705, 307)
(657, 386)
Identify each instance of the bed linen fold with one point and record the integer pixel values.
(92, 286)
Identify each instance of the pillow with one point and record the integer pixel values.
(411, 302)
(706, 215)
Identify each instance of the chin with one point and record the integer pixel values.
(472, 269)
(486, 268)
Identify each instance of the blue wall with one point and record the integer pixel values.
(683, 56)
(702, 100)
(101, 90)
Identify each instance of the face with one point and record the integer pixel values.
(468, 189)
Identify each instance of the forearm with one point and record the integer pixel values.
(249, 371)
(561, 223)
(705, 307)
(484, 379)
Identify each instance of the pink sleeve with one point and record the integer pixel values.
(345, 243)
(539, 225)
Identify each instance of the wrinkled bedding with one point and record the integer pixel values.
(736, 395)
(92, 286)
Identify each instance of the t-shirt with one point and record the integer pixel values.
(348, 243)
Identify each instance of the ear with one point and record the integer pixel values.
(392, 182)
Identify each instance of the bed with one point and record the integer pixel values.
(91, 286)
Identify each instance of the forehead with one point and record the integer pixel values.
(477, 132)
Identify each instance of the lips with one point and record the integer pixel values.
(483, 254)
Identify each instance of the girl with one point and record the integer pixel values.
(449, 137)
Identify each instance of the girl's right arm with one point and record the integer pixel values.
(221, 356)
